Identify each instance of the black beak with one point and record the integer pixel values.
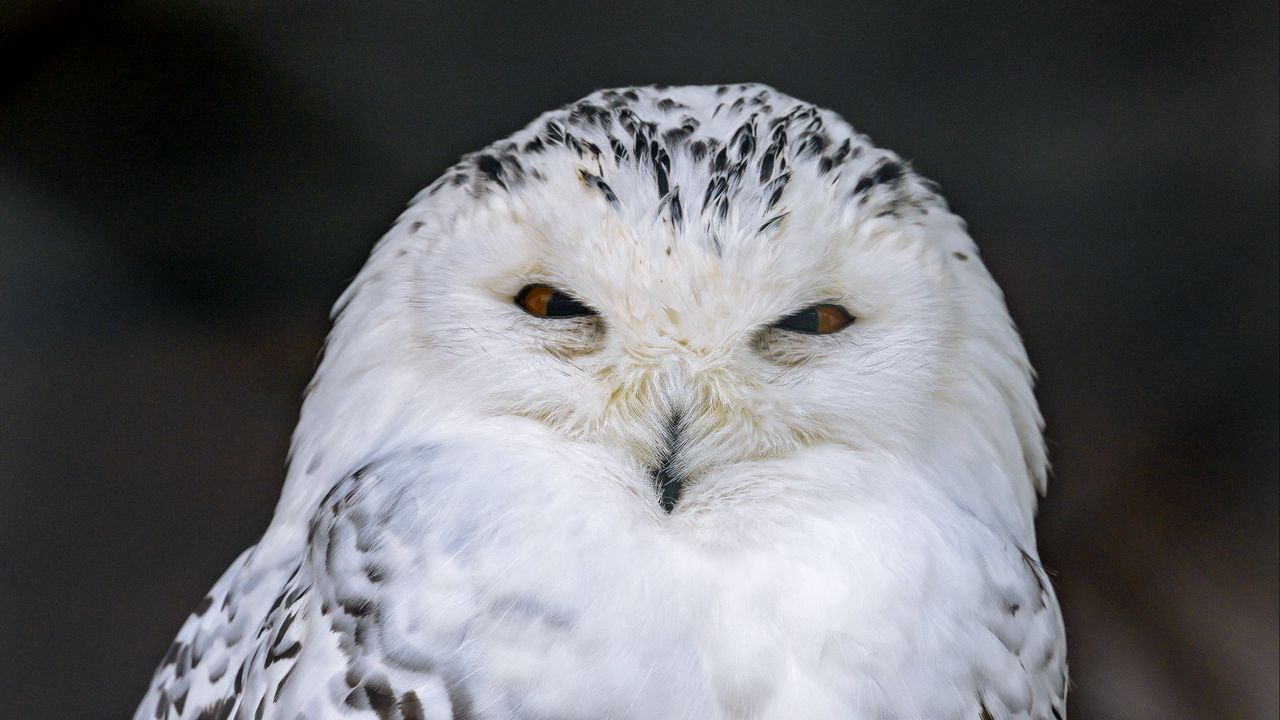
(665, 480)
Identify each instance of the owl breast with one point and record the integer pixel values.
(543, 583)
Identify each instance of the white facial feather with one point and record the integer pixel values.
(685, 300)
(846, 502)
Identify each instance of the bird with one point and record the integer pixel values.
(680, 402)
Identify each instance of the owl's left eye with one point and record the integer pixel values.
(548, 302)
(817, 320)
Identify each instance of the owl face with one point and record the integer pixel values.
(688, 280)
(763, 283)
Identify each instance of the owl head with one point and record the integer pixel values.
(696, 280)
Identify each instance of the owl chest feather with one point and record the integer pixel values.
(465, 585)
(561, 595)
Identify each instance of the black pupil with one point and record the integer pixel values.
(803, 321)
(561, 305)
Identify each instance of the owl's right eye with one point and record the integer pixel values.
(548, 302)
(817, 320)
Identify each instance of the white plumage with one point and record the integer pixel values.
(667, 503)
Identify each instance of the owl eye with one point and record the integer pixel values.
(548, 302)
(816, 320)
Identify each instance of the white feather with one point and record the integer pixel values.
(855, 535)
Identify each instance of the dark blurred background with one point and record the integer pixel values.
(186, 187)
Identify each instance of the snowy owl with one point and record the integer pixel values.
(681, 402)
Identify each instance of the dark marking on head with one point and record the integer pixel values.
(887, 171)
(553, 132)
(841, 153)
(628, 121)
(534, 146)
(721, 161)
(773, 191)
(614, 98)
(654, 131)
(676, 135)
(745, 138)
(772, 221)
(641, 146)
(675, 209)
(587, 114)
(959, 255)
(766, 164)
(778, 138)
(594, 181)
(661, 166)
(572, 143)
(813, 145)
(619, 150)
(736, 170)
